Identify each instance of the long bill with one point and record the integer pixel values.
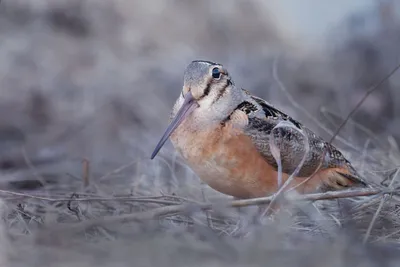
(189, 104)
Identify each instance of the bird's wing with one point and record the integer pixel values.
(291, 139)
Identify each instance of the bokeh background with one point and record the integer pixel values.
(94, 81)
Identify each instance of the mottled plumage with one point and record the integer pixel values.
(224, 133)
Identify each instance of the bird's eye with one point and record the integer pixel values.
(216, 73)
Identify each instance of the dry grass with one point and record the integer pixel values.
(85, 88)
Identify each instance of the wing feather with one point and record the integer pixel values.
(292, 144)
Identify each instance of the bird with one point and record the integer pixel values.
(238, 143)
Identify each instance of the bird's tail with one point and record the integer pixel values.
(341, 178)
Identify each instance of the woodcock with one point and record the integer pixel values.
(224, 134)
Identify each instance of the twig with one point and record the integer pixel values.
(371, 225)
(295, 104)
(33, 169)
(367, 131)
(181, 198)
(386, 236)
(278, 160)
(371, 90)
(384, 198)
(168, 210)
(208, 216)
(74, 210)
(364, 153)
(121, 168)
(85, 172)
(27, 195)
(149, 199)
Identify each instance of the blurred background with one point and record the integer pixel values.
(94, 81)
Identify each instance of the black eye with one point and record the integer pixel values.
(216, 73)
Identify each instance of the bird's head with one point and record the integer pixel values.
(208, 94)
